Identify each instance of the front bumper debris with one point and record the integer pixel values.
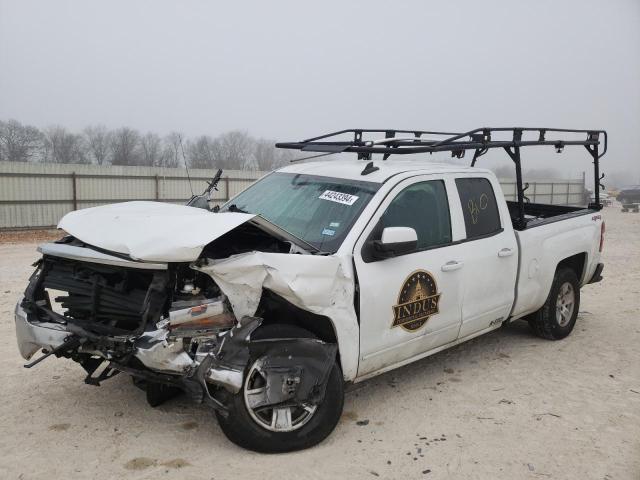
(158, 350)
(298, 368)
(37, 335)
(110, 317)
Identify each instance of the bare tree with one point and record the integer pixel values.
(151, 150)
(19, 143)
(267, 157)
(263, 154)
(124, 147)
(236, 149)
(172, 155)
(204, 152)
(98, 139)
(61, 146)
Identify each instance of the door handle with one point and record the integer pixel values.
(505, 252)
(451, 265)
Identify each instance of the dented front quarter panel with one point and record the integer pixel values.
(323, 285)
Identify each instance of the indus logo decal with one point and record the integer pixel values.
(417, 301)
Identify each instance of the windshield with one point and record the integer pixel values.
(318, 210)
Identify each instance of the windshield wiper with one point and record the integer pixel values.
(234, 208)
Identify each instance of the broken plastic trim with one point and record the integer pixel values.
(296, 370)
(233, 354)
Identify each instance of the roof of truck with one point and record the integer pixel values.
(351, 169)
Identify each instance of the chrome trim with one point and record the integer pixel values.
(226, 377)
(32, 337)
(89, 255)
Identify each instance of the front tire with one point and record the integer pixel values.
(300, 427)
(557, 317)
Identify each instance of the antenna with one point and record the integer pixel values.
(186, 167)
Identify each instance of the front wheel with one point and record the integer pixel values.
(557, 317)
(274, 430)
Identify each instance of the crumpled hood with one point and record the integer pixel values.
(151, 231)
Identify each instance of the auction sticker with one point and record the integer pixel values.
(343, 198)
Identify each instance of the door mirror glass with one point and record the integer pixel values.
(395, 241)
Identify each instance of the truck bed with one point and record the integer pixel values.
(573, 233)
(537, 214)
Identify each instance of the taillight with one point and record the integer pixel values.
(601, 236)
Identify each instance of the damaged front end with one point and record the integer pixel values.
(166, 324)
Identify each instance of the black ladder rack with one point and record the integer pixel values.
(481, 140)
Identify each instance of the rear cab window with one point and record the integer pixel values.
(479, 207)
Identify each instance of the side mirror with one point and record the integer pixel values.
(395, 241)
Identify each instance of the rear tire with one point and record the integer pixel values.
(243, 428)
(557, 317)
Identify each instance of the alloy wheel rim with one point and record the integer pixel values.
(565, 304)
(280, 419)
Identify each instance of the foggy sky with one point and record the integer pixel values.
(289, 70)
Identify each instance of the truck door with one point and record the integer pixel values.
(490, 256)
(410, 303)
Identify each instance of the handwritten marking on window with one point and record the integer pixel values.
(476, 206)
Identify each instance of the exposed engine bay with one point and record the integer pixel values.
(169, 325)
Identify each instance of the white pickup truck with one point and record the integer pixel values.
(321, 273)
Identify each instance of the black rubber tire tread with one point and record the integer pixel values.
(543, 322)
(242, 430)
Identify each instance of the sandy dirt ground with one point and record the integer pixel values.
(506, 405)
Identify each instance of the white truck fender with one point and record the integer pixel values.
(319, 284)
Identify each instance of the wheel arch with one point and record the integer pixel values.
(577, 263)
(274, 309)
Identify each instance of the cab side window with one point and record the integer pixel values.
(479, 207)
(425, 208)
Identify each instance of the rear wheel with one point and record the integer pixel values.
(285, 429)
(557, 317)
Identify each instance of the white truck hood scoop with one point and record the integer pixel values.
(154, 231)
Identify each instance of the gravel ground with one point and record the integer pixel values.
(503, 406)
(26, 236)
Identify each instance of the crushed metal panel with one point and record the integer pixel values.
(156, 352)
(90, 255)
(318, 284)
(151, 231)
(232, 357)
(33, 337)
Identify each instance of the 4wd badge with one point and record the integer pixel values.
(417, 301)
